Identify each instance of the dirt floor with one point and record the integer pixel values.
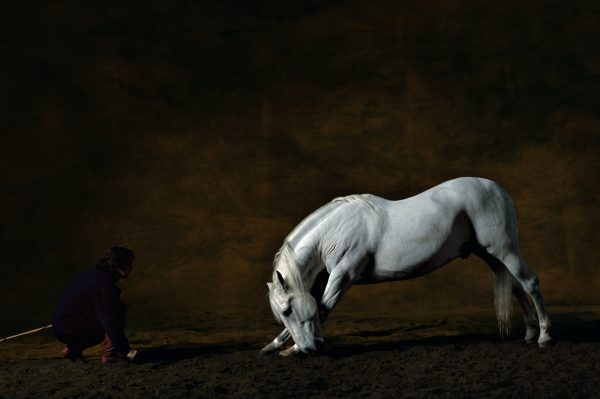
(449, 357)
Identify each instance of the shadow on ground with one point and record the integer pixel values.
(565, 329)
(168, 354)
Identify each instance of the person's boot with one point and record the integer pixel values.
(73, 354)
(109, 353)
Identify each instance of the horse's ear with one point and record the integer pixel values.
(281, 281)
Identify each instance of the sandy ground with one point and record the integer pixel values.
(457, 356)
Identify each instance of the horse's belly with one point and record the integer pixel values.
(420, 238)
(405, 272)
(415, 259)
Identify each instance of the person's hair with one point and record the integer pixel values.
(117, 256)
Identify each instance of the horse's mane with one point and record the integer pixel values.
(366, 199)
(285, 262)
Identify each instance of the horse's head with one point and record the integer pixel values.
(297, 309)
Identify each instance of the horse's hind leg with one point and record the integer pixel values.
(531, 322)
(521, 271)
(496, 230)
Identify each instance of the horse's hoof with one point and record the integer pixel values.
(530, 341)
(265, 353)
(292, 351)
(268, 350)
(546, 344)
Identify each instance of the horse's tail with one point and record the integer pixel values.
(503, 282)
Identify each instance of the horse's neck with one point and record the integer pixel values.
(310, 265)
(307, 239)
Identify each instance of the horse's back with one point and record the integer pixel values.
(479, 198)
(449, 198)
(474, 195)
(466, 190)
(427, 230)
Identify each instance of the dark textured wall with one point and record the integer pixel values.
(200, 133)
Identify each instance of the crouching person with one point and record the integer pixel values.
(90, 310)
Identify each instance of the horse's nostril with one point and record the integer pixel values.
(310, 351)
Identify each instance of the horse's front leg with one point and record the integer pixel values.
(277, 343)
(337, 285)
(339, 282)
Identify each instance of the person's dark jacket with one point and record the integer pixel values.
(92, 302)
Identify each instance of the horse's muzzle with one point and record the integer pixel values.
(316, 346)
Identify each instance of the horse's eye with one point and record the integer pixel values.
(287, 311)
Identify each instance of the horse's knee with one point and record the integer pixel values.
(531, 285)
(520, 271)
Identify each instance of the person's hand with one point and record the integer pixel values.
(131, 355)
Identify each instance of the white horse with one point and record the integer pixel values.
(364, 239)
